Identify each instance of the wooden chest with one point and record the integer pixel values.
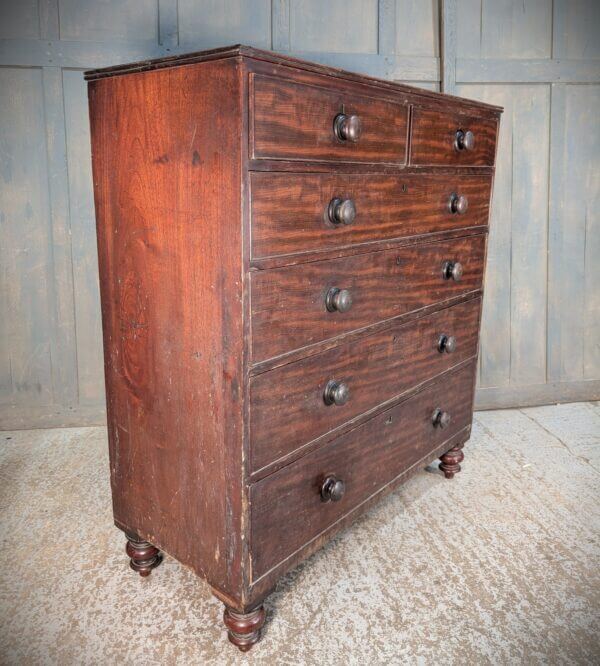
(291, 268)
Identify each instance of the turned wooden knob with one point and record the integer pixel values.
(446, 343)
(452, 270)
(341, 211)
(459, 204)
(440, 418)
(339, 300)
(336, 393)
(332, 489)
(347, 127)
(465, 140)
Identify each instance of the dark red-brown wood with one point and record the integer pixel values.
(288, 304)
(379, 368)
(167, 176)
(450, 461)
(288, 504)
(295, 121)
(434, 133)
(211, 175)
(243, 629)
(143, 556)
(289, 211)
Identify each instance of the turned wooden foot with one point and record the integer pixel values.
(243, 629)
(143, 555)
(451, 460)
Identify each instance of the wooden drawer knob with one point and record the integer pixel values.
(459, 204)
(440, 418)
(339, 300)
(465, 140)
(341, 211)
(336, 393)
(347, 127)
(332, 489)
(446, 343)
(452, 270)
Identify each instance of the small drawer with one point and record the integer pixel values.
(298, 402)
(305, 304)
(295, 121)
(441, 138)
(297, 503)
(299, 212)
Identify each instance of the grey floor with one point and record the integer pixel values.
(499, 566)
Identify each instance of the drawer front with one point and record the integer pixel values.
(286, 507)
(435, 142)
(289, 305)
(295, 212)
(289, 405)
(294, 121)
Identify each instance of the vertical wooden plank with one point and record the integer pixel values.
(49, 19)
(211, 23)
(591, 342)
(168, 26)
(557, 290)
(581, 28)
(386, 36)
(19, 20)
(574, 304)
(25, 254)
(468, 28)
(60, 285)
(86, 293)
(417, 28)
(280, 25)
(448, 40)
(516, 29)
(495, 343)
(110, 21)
(530, 149)
(337, 26)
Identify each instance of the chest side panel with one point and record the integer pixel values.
(166, 159)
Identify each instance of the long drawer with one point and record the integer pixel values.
(300, 212)
(301, 305)
(287, 509)
(295, 121)
(289, 406)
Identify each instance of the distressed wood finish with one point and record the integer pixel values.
(294, 121)
(288, 304)
(220, 352)
(382, 367)
(173, 356)
(434, 134)
(288, 503)
(289, 211)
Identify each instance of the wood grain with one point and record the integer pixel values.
(434, 132)
(288, 304)
(162, 147)
(289, 211)
(295, 121)
(287, 408)
(286, 507)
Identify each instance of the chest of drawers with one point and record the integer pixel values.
(291, 264)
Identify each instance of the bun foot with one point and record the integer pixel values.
(143, 555)
(243, 629)
(450, 461)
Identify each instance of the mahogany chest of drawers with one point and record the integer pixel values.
(291, 266)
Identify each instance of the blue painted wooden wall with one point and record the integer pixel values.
(538, 58)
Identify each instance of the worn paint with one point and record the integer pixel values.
(547, 177)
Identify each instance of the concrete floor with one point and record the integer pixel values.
(499, 566)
